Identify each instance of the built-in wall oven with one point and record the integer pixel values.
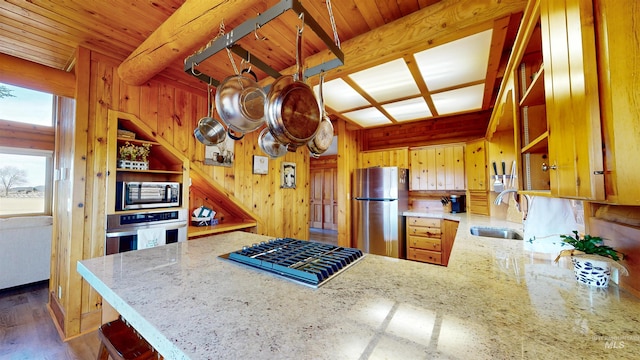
(135, 231)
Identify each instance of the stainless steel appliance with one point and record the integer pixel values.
(305, 262)
(381, 195)
(127, 232)
(132, 195)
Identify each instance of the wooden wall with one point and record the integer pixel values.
(444, 130)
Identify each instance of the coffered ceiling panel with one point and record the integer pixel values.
(388, 81)
(459, 100)
(458, 62)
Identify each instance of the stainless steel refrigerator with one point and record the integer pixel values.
(381, 195)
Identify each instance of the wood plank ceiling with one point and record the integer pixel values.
(47, 32)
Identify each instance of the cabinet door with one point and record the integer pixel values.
(475, 165)
(571, 90)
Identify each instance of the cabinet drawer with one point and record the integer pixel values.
(420, 221)
(424, 243)
(425, 231)
(424, 255)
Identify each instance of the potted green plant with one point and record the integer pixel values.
(591, 259)
(134, 157)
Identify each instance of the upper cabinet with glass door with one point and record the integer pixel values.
(559, 118)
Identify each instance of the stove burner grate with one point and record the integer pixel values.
(307, 262)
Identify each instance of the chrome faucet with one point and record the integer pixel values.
(504, 192)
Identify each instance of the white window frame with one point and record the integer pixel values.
(48, 187)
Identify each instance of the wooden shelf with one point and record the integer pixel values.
(137, 141)
(197, 231)
(538, 145)
(535, 93)
(170, 172)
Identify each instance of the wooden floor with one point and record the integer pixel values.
(27, 330)
(324, 236)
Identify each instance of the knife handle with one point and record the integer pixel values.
(495, 168)
(504, 169)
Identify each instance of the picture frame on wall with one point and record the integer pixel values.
(260, 165)
(221, 154)
(288, 175)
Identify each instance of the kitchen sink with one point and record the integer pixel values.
(502, 233)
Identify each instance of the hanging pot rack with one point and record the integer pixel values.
(228, 41)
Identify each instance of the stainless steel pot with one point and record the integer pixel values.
(292, 110)
(240, 102)
(209, 131)
(271, 146)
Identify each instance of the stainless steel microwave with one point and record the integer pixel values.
(146, 194)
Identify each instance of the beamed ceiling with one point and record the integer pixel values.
(374, 34)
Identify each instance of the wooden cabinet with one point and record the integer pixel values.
(430, 240)
(618, 24)
(475, 164)
(163, 163)
(382, 158)
(571, 90)
(437, 168)
(558, 117)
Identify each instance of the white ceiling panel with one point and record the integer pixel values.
(388, 81)
(406, 110)
(339, 96)
(367, 117)
(459, 100)
(458, 62)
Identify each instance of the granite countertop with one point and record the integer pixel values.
(493, 301)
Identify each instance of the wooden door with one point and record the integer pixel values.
(329, 203)
(323, 201)
(315, 214)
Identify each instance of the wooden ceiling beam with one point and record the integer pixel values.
(186, 30)
(36, 77)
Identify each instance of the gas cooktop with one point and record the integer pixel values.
(306, 262)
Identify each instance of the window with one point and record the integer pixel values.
(25, 181)
(25, 167)
(25, 106)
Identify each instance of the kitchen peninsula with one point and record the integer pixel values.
(493, 301)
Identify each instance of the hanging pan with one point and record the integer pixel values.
(292, 111)
(324, 137)
(240, 102)
(209, 131)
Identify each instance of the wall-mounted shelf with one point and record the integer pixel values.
(225, 226)
(229, 39)
(535, 93)
(537, 145)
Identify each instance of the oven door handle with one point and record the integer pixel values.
(135, 231)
